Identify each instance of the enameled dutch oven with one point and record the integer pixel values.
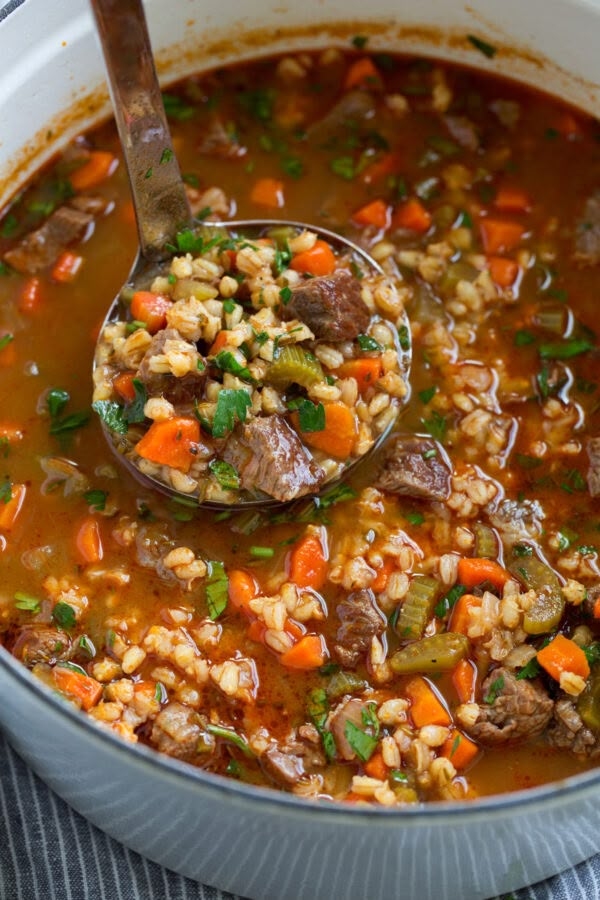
(259, 843)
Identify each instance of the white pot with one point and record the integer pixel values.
(261, 843)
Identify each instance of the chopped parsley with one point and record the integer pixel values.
(292, 166)
(368, 343)
(226, 475)
(496, 688)
(5, 340)
(318, 709)
(359, 41)
(565, 349)
(231, 405)
(64, 615)
(285, 295)
(343, 166)
(415, 518)
(404, 337)
(362, 742)
(523, 338)
(449, 600)
(530, 670)
(436, 425)
(112, 414)
(69, 423)
(487, 49)
(134, 411)
(226, 362)
(176, 108)
(9, 226)
(56, 400)
(6, 491)
(428, 394)
(592, 653)
(217, 585)
(96, 499)
(228, 734)
(166, 156)
(312, 416)
(26, 602)
(229, 305)
(258, 103)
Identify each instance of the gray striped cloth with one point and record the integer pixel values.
(49, 852)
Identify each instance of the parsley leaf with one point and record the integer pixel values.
(404, 337)
(343, 166)
(6, 491)
(495, 688)
(69, 423)
(292, 166)
(312, 417)
(362, 743)
(5, 340)
(592, 653)
(228, 734)
(96, 499)
(217, 586)
(530, 670)
(565, 349)
(231, 405)
(523, 337)
(415, 518)
(112, 414)
(56, 400)
(449, 600)
(487, 49)
(258, 103)
(436, 425)
(359, 41)
(366, 342)
(176, 108)
(64, 615)
(26, 602)
(166, 156)
(226, 475)
(318, 708)
(226, 362)
(428, 394)
(134, 411)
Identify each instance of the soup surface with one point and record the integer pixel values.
(424, 631)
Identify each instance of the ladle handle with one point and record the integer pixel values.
(159, 198)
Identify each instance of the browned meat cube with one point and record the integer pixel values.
(416, 467)
(331, 306)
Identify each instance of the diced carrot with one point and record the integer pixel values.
(510, 198)
(294, 630)
(339, 435)
(151, 309)
(11, 433)
(459, 750)
(319, 260)
(89, 540)
(464, 679)
(388, 164)
(124, 386)
(376, 213)
(86, 689)
(8, 353)
(563, 655)
(66, 267)
(268, 192)
(366, 371)
(363, 73)
(171, 442)
(308, 653)
(30, 298)
(425, 708)
(98, 167)
(474, 571)
(308, 565)
(242, 588)
(257, 631)
(375, 767)
(460, 618)
(383, 573)
(503, 271)
(499, 236)
(9, 511)
(597, 609)
(219, 342)
(412, 215)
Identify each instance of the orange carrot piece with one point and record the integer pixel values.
(460, 618)
(597, 609)
(242, 588)
(499, 236)
(363, 73)
(474, 571)
(319, 260)
(124, 386)
(563, 655)
(89, 541)
(308, 653)
(219, 342)
(86, 689)
(66, 267)
(365, 370)
(9, 511)
(383, 574)
(151, 309)
(503, 271)
(294, 630)
(99, 166)
(459, 750)
(425, 708)
(511, 198)
(388, 164)
(170, 443)
(30, 298)
(268, 192)
(375, 767)
(338, 436)
(464, 679)
(308, 563)
(376, 213)
(257, 631)
(412, 215)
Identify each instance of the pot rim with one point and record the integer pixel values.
(521, 801)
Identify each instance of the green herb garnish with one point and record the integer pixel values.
(217, 585)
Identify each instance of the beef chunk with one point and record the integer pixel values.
(219, 143)
(463, 131)
(291, 760)
(587, 232)
(181, 392)
(520, 710)
(176, 731)
(416, 467)
(361, 619)
(331, 306)
(38, 644)
(350, 710)
(42, 247)
(518, 520)
(568, 732)
(593, 473)
(354, 106)
(270, 457)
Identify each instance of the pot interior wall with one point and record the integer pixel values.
(51, 73)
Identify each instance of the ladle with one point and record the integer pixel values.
(159, 198)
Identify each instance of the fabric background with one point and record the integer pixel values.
(49, 852)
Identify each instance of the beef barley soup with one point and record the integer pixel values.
(429, 629)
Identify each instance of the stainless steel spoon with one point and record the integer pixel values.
(159, 198)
